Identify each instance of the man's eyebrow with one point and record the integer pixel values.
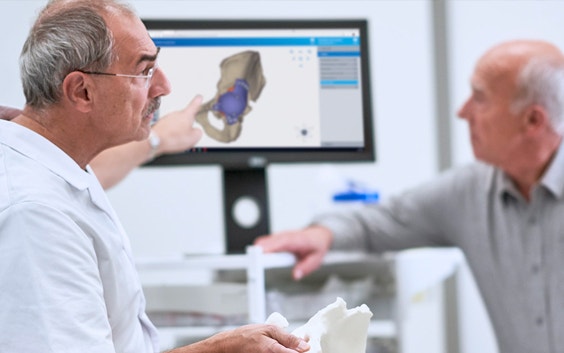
(147, 57)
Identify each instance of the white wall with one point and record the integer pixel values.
(16, 17)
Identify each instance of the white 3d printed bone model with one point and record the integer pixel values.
(333, 329)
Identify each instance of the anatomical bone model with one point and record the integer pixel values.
(241, 81)
(334, 329)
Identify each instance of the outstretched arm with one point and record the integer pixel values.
(176, 132)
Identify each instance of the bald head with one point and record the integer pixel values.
(519, 52)
(516, 108)
(505, 61)
(528, 72)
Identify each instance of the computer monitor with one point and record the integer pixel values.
(275, 91)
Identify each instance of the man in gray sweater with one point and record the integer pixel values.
(505, 211)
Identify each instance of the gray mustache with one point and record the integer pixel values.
(154, 106)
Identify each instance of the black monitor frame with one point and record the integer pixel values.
(244, 169)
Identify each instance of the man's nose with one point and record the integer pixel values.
(464, 110)
(160, 86)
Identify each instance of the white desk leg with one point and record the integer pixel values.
(256, 291)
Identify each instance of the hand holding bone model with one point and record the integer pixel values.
(333, 329)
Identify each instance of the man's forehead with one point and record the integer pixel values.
(131, 39)
(491, 73)
(479, 79)
(477, 85)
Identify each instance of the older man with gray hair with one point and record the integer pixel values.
(69, 284)
(506, 211)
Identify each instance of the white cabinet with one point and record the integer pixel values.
(409, 314)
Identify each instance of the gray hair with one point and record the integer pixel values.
(541, 81)
(68, 35)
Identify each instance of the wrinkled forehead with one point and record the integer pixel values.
(132, 42)
(498, 71)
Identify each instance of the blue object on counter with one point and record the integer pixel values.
(365, 197)
(356, 193)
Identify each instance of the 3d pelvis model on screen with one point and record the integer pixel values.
(241, 81)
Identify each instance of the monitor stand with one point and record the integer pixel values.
(245, 207)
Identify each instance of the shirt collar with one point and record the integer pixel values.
(552, 180)
(38, 148)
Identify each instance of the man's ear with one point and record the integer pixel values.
(536, 118)
(77, 88)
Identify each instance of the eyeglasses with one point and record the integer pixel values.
(147, 77)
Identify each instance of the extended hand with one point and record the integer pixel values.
(176, 130)
(309, 245)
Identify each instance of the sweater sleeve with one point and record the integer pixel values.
(427, 215)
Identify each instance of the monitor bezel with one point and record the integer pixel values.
(235, 158)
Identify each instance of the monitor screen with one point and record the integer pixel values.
(274, 91)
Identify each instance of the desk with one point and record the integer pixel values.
(416, 273)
